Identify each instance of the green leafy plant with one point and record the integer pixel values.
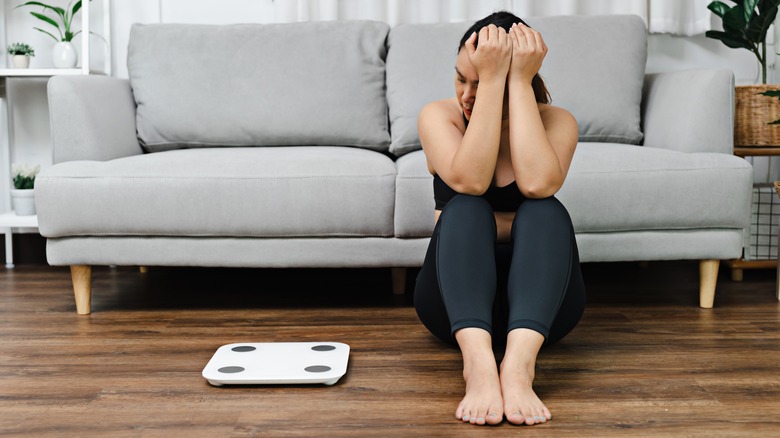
(21, 49)
(745, 26)
(772, 93)
(61, 20)
(24, 175)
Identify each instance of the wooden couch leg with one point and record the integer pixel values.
(708, 278)
(399, 280)
(82, 287)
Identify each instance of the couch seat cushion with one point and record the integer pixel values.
(258, 192)
(616, 187)
(414, 202)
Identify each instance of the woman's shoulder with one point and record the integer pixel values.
(556, 114)
(443, 108)
(546, 109)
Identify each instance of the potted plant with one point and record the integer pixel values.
(21, 54)
(64, 54)
(22, 195)
(745, 26)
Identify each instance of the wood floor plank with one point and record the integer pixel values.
(645, 361)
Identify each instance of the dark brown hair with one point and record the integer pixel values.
(505, 20)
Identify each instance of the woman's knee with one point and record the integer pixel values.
(468, 209)
(542, 213)
(468, 203)
(543, 209)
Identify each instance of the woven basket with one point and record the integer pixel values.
(752, 114)
(777, 187)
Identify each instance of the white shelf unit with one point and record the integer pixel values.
(40, 72)
(9, 220)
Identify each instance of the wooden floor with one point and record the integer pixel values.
(645, 360)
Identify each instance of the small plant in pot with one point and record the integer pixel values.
(64, 54)
(745, 26)
(22, 195)
(20, 54)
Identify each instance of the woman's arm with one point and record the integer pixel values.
(467, 161)
(542, 141)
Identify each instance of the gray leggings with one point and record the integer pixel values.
(537, 274)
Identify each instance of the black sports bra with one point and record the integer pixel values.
(507, 198)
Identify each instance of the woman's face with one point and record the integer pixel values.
(466, 82)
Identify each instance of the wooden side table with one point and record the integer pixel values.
(777, 284)
(739, 265)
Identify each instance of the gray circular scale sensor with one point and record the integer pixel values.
(317, 368)
(244, 348)
(230, 370)
(323, 348)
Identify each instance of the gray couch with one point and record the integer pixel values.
(295, 145)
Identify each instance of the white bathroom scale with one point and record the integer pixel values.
(265, 363)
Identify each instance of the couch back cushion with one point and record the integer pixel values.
(315, 83)
(594, 68)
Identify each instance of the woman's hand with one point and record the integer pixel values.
(493, 57)
(528, 52)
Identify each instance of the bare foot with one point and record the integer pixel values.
(483, 402)
(521, 404)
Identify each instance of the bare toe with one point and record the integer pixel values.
(515, 418)
(494, 418)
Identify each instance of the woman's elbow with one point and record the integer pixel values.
(474, 188)
(540, 189)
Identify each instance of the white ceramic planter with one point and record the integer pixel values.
(23, 201)
(64, 55)
(21, 61)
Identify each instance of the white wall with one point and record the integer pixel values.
(32, 143)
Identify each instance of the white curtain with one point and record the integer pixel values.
(682, 17)
(679, 17)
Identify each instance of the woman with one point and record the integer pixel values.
(502, 269)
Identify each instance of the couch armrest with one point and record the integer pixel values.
(92, 118)
(689, 111)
